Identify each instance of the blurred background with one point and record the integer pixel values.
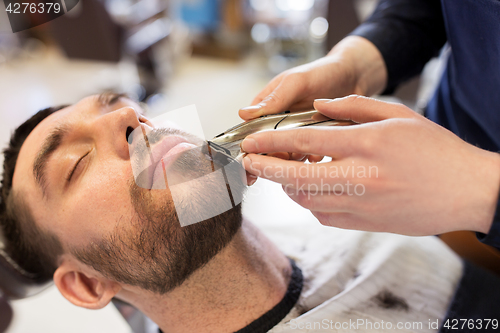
(216, 54)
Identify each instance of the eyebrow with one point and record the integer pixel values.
(49, 146)
(56, 137)
(110, 98)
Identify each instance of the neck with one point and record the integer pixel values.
(241, 283)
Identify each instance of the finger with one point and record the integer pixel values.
(289, 156)
(247, 113)
(251, 179)
(348, 220)
(334, 201)
(274, 169)
(268, 89)
(278, 100)
(315, 158)
(361, 109)
(327, 141)
(297, 156)
(282, 155)
(298, 174)
(339, 220)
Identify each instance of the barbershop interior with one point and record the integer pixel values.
(212, 58)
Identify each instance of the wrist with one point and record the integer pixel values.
(365, 64)
(489, 184)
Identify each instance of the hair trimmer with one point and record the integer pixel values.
(228, 142)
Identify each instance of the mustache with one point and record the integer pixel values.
(156, 134)
(141, 142)
(151, 138)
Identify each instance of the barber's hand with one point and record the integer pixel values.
(251, 179)
(354, 66)
(394, 172)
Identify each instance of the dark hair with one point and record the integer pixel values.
(34, 250)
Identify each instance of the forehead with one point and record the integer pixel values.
(23, 179)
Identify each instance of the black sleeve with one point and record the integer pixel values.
(492, 238)
(408, 33)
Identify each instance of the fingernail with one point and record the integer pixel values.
(322, 100)
(252, 180)
(252, 108)
(249, 145)
(247, 162)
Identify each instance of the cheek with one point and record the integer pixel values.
(108, 192)
(102, 202)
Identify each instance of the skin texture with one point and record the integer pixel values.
(100, 206)
(427, 180)
(353, 66)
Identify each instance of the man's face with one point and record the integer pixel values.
(84, 192)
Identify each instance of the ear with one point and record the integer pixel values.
(82, 289)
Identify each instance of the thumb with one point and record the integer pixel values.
(280, 99)
(361, 109)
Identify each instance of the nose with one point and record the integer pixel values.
(128, 133)
(115, 127)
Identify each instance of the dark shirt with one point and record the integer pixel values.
(474, 307)
(410, 32)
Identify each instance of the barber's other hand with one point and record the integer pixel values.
(394, 172)
(354, 66)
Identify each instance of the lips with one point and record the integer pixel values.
(165, 161)
(147, 168)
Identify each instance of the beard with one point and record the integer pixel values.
(153, 251)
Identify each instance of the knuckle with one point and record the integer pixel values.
(273, 143)
(371, 142)
(352, 98)
(367, 144)
(303, 142)
(356, 99)
(273, 97)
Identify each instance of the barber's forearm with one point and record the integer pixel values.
(366, 63)
(488, 191)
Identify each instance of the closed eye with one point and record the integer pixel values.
(72, 171)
